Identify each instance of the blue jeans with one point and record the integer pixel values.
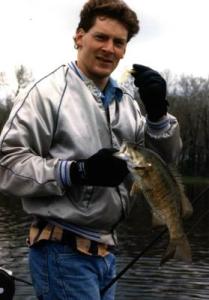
(60, 273)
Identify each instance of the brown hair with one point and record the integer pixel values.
(115, 9)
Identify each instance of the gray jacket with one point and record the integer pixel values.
(58, 118)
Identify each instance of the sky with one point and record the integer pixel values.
(39, 34)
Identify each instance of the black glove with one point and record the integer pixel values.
(152, 90)
(101, 169)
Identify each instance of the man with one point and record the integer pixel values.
(57, 153)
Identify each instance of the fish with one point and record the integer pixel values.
(162, 188)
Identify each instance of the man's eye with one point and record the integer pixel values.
(100, 37)
(119, 44)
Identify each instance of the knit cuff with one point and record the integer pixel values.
(162, 125)
(63, 172)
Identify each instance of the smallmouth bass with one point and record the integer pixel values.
(164, 193)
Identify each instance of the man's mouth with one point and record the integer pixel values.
(105, 60)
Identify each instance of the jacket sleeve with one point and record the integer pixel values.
(26, 166)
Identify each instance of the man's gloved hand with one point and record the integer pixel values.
(152, 90)
(101, 169)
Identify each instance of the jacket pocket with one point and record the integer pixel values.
(81, 196)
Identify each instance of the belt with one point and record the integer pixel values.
(41, 230)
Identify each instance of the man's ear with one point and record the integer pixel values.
(79, 37)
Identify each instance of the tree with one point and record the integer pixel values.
(189, 102)
(8, 92)
(24, 77)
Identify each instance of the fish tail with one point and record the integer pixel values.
(179, 249)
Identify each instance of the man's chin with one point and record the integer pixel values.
(105, 72)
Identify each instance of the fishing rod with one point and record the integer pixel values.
(22, 280)
(154, 241)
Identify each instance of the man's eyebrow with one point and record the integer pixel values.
(122, 39)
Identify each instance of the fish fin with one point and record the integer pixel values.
(156, 220)
(186, 208)
(169, 254)
(179, 249)
(135, 189)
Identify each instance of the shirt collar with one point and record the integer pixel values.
(111, 91)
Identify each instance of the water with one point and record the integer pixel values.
(145, 280)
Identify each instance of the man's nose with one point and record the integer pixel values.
(109, 46)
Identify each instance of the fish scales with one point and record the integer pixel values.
(165, 194)
(160, 191)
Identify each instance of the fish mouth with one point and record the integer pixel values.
(142, 166)
(132, 165)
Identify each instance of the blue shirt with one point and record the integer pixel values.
(111, 92)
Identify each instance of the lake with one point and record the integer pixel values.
(145, 280)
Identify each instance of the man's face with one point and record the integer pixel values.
(101, 48)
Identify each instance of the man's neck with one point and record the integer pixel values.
(101, 83)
